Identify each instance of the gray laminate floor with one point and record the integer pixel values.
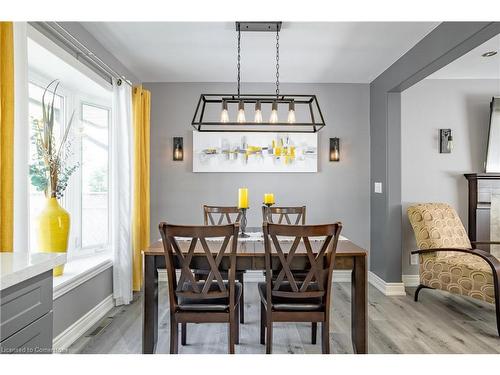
(438, 323)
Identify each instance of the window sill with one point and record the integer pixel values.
(77, 271)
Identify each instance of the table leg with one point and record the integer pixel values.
(359, 307)
(150, 306)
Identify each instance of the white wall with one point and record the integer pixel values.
(427, 175)
(339, 191)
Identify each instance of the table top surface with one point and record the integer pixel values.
(254, 246)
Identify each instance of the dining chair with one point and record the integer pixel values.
(213, 300)
(216, 215)
(284, 298)
(284, 214)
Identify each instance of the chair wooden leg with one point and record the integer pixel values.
(314, 331)
(262, 324)
(237, 323)
(325, 337)
(183, 333)
(242, 302)
(174, 335)
(419, 288)
(497, 311)
(232, 331)
(269, 333)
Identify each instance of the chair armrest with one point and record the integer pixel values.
(435, 250)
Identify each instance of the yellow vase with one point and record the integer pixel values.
(53, 230)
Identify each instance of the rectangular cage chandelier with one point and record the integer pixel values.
(258, 112)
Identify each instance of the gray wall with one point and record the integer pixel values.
(427, 175)
(71, 306)
(339, 191)
(444, 44)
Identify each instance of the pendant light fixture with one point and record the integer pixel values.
(306, 105)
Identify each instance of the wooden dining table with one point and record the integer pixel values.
(250, 256)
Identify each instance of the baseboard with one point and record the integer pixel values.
(388, 289)
(64, 340)
(411, 280)
(339, 276)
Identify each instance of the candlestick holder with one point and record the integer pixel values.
(268, 204)
(243, 223)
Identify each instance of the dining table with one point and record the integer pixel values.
(250, 257)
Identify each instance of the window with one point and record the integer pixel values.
(87, 196)
(94, 175)
(37, 197)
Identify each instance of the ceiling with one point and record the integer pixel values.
(472, 65)
(309, 51)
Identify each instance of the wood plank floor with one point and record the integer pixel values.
(438, 323)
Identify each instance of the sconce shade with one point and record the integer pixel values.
(334, 149)
(178, 149)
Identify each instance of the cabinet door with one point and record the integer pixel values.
(23, 303)
(36, 338)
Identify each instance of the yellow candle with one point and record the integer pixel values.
(242, 198)
(269, 198)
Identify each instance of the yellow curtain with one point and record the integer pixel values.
(141, 105)
(6, 136)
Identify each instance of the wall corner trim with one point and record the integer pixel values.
(411, 280)
(64, 340)
(388, 289)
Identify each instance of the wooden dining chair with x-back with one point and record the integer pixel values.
(290, 215)
(213, 300)
(284, 215)
(283, 297)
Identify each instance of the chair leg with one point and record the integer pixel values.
(242, 302)
(237, 323)
(262, 324)
(174, 335)
(314, 331)
(269, 332)
(183, 333)
(497, 311)
(420, 287)
(325, 337)
(232, 331)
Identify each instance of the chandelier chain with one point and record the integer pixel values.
(277, 63)
(239, 60)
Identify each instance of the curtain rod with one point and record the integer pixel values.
(81, 48)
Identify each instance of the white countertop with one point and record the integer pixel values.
(17, 267)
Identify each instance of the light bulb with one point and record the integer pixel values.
(449, 145)
(224, 115)
(241, 112)
(258, 112)
(274, 114)
(291, 112)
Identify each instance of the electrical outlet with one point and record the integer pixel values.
(414, 259)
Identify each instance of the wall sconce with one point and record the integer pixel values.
(445, 141)
(178, 149)
(334, 149)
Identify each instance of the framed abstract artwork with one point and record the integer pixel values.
(255, 152)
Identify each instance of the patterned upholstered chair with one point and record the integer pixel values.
(448, 260)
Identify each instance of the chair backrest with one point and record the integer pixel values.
(437, 225)
(284, 213)
(182, 253)
(215, 215)
(319, 264)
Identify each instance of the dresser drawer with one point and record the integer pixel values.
(24, 303)
(34, 339)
